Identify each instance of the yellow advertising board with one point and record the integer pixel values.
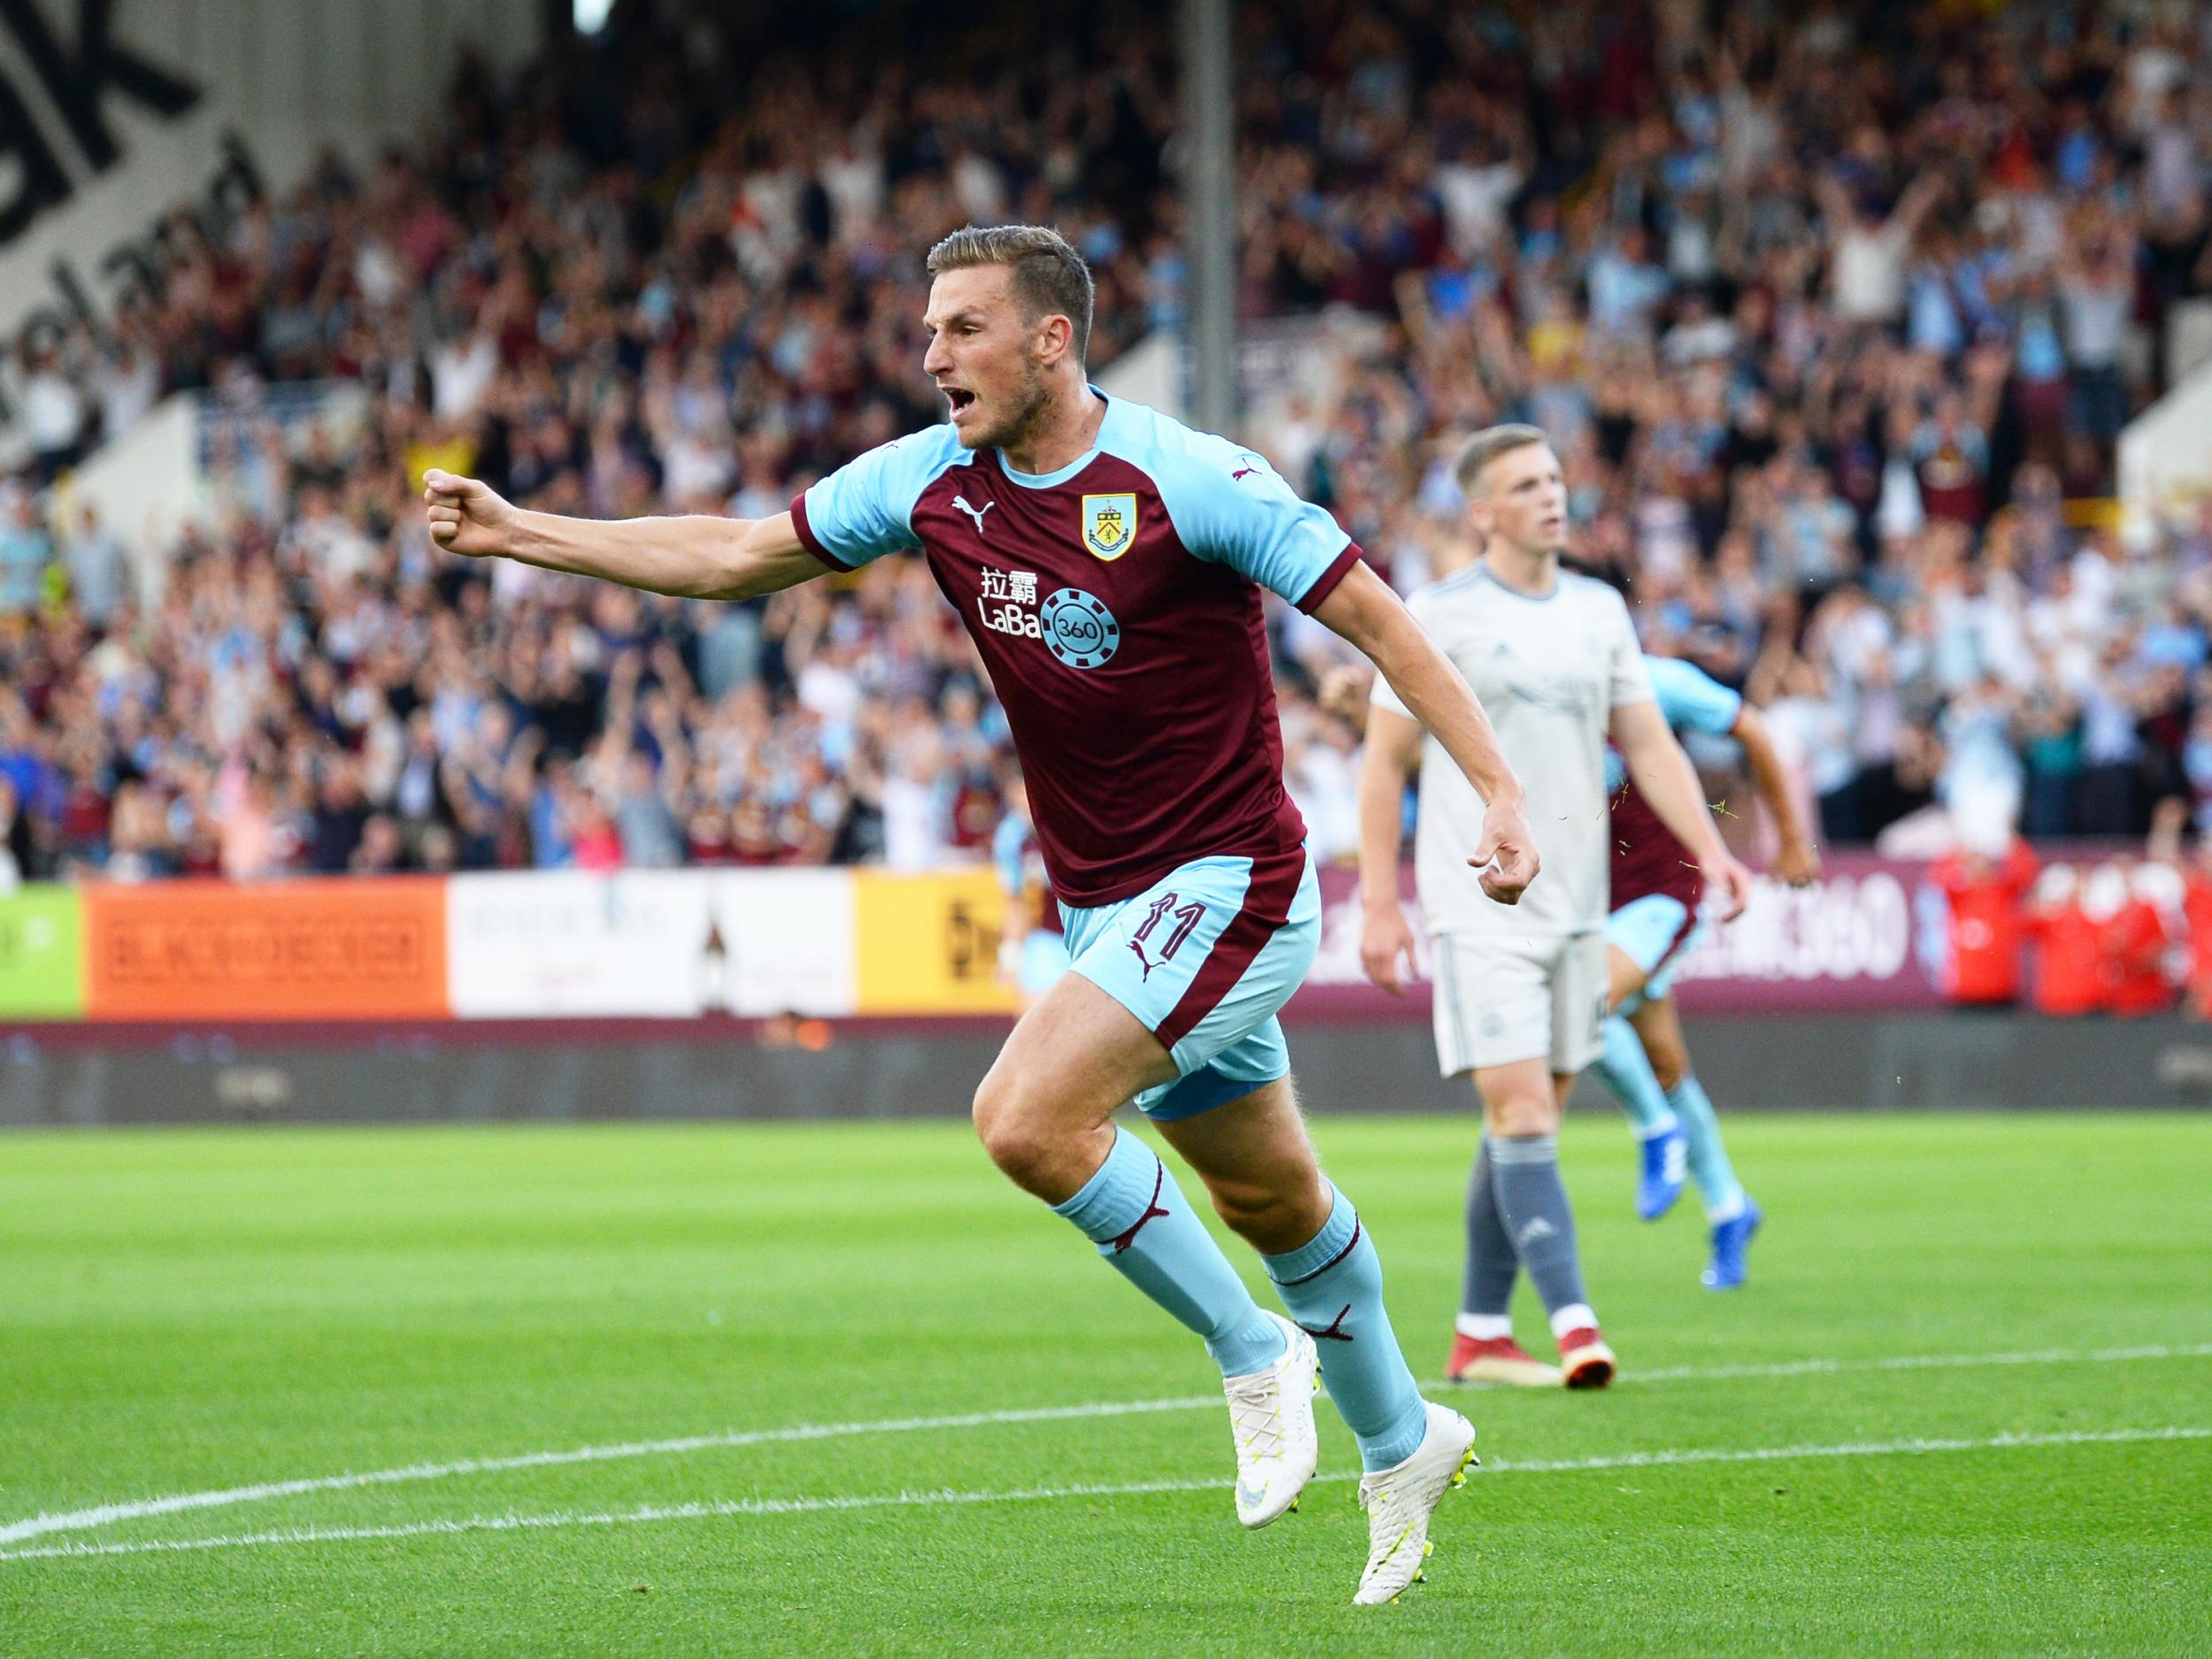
(929, 943)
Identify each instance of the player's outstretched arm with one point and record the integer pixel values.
(693, 558)
(1364, 611)
(1663, 775)
(1392, 750)
(1797, 861)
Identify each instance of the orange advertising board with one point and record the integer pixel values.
(308, 950)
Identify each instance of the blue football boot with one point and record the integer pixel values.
(1731, 1243)
(1665, 1167)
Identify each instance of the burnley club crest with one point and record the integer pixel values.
(1109, 525)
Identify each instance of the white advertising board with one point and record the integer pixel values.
(650, 943)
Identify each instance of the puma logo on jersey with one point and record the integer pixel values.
(975, 513)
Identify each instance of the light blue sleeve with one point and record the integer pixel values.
(1691, 699)
(863, 510)
(1230, 506)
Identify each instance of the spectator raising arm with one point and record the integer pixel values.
(692, 557)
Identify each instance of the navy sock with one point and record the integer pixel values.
(1533, 1201)
(1491, 1265)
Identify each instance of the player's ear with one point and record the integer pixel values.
(1055, 334)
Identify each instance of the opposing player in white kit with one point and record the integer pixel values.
(1520, 992)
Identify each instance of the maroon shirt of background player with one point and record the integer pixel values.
(1115, 604)
(1648, 859)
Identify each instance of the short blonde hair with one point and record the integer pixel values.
(1487, 445)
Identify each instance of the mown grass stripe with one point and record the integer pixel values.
(760, 1507)
(264, 1492)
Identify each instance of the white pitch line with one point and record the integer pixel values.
(264, 1492)
(1922, 1361)
(100, 1515)
(1032, 1495)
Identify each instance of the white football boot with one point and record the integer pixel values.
(1271, 1414)
(1399, 1499)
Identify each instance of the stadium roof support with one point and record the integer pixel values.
(1209, 214)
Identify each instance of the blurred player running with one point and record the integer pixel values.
(1108, 562)
(1655, 924)
(1033, 945)
(1520, 993)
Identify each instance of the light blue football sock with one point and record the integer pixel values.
(1716, 1177)
(1137, 1216)
(1333, 1285)
(1625, 1071)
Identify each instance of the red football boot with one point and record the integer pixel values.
(1498, 1359)
(1585, 1362)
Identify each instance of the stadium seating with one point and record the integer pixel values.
(1834, 361)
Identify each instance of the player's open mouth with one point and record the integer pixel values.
(960, 399)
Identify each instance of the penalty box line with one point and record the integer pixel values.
(265, 1491)
(755, 1507)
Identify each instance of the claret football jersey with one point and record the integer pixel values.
(1117, 605)
(1646, 857)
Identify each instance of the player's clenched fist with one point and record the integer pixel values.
(1506, 855)
(467, 516)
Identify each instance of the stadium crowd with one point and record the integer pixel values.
(1835, 318)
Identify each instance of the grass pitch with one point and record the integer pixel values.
(205, 1317)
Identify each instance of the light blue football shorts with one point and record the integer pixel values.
(1655, 933)
(1206, 957)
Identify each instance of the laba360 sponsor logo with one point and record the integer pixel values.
(1842, 928)
(1007, 603)
(1075, 626)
